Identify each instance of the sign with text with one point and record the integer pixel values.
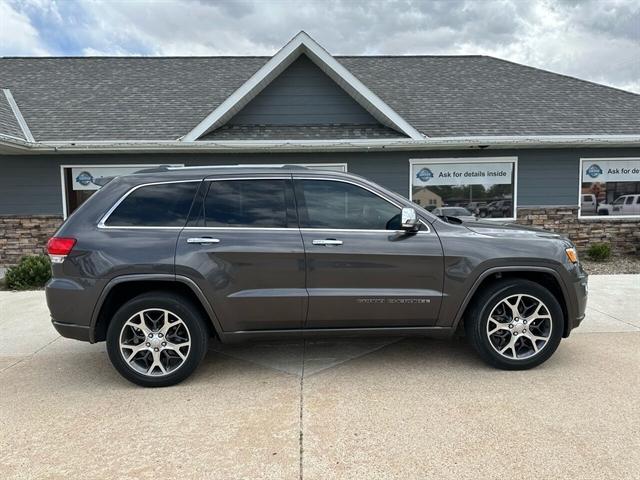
(476, 173)
(604, 171)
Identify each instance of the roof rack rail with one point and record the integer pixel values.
(238, 165)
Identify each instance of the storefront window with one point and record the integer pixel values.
(610, 187)
(485, 188)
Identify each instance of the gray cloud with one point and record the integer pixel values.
(597, 40)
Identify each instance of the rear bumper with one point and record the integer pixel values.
(69, 330)
(71, 303)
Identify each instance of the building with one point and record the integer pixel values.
(524, 144)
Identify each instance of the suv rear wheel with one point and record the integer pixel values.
(515, 324)
(157, 339)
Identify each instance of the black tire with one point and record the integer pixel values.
(483, 304)
(176, 305)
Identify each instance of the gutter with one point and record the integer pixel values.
(432, 143)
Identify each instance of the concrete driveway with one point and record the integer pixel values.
(350, 408)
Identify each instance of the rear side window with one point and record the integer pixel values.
(262, 203)
(164, 205)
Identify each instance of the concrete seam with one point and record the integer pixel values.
(615, 318)
(28, 357)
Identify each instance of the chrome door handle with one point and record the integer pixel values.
(327, 242)
(202, 240)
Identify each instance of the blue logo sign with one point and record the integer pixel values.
(594, 171)
(84, 178)
(425, 175)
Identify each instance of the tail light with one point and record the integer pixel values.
(58, 248)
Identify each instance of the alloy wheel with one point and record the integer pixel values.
(155, 342)
(519, 326)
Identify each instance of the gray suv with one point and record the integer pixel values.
(159, 262)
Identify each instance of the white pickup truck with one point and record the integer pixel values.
(626, 205)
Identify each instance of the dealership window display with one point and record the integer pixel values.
(485, 187)
(609, 187)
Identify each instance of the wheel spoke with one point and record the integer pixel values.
(176, 347)
(498, 326)
(135, 349)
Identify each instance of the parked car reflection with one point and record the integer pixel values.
(457, 212)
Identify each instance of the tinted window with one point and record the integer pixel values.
(247, 203)
(629, 200)
(165, 205)
(343, 205)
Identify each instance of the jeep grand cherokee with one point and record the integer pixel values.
(157, 263)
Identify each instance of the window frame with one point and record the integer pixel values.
(596, 217)
(505, 159)
(425, 230)
(102, 222)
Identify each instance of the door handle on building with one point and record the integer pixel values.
(329, 242)
(202, 240)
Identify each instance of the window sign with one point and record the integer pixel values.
(485, 189)
(609, 187)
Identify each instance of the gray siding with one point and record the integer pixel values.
(302, 95)
(30, 185)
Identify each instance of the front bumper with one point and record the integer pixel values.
(579, 291)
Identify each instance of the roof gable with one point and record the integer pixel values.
(302, 102)
(302, 44)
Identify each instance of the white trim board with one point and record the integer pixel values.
(514, 160)
(18, 114)
(302, 43)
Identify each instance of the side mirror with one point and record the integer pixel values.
(410, 220)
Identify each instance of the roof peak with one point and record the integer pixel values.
(302, 44)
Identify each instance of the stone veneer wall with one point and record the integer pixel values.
(25, 235)
(623, 235)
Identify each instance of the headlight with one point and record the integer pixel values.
(572, 254)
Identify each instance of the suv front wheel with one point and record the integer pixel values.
(157, 339)
(515, 324)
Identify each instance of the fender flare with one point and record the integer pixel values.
(512, 269)
(152, 277)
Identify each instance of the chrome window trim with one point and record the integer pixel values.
(105, 217)
(344, 180)
(363, 230)
(295, 229)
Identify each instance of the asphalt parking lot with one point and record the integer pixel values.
(348, 408)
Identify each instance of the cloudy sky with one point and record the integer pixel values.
(597, 40)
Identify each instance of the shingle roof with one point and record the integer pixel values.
(301, 132)
(163, 98)
(8, 122)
